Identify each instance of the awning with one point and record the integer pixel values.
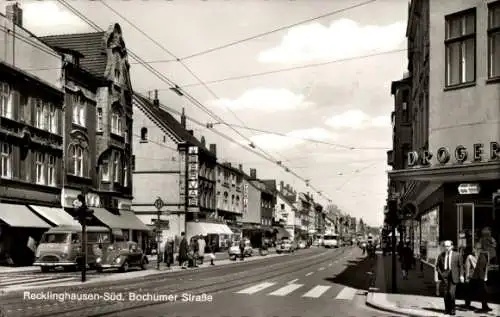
(282, 233)
(126, 219)
(21, 216)
(57, 216)
(223, 228)
(205, 228)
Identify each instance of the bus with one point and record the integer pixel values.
(331, 241)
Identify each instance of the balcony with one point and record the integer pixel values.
(390, 157)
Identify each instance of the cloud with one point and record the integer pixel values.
(269, 141)
(49, 16)
(356, 119)
(264, 99)
(343, 38)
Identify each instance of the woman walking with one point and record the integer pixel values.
(406, 258)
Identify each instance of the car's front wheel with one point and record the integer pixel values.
(124, 267)
(143, 264)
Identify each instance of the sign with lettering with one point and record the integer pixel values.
(460, 154)
(245, 197)
(469, 189)
(192, 175)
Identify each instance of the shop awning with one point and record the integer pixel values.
(205, 228)
(282, 233)
(222, 228)
(126, 219)
(57, 216)
(21, 216)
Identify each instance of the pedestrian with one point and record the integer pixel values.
(212, 249)
(183, 251)
(194, 248)
(168, 256)
(476, 275)
(450, 272)
(242, 249)
(406, 259)
(201, 248)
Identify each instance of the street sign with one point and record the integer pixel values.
(468, 189)
(159, 203)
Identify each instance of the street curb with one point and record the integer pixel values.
(379, 301)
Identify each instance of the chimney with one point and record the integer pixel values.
(240, 167)
(282, 186)
(156, 102)
(213, 149)
(183, 119)
(253, 173)
(203, 142)
(15, 14)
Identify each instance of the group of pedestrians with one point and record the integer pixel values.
(190, 253)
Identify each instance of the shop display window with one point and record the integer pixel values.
(429, 243)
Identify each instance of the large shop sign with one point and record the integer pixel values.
(245, 198)
(192, 175)
(460, 154)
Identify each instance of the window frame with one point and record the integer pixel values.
(105, 173)
(7, 156)
(463, 38)
(52, 121)
(40, 178)
(79, 115)
(51, 170)
(116, 168)
(492, 31)
(5, 100)
(39, 114)
(76, 161)
(116, 123)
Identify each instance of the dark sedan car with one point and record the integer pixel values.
(122, 256)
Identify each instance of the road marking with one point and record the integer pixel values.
(316, 291)
(321, 269)
(293, 281)
(310, 273)
(286, 290)
(330, 264)
(347, 293)
(256, 288)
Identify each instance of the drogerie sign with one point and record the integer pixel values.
(460, 154)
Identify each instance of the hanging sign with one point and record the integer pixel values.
(469, 189)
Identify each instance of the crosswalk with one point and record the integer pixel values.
(37, 279)
(314, 292)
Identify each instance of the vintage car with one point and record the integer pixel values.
(122, 256)
(234, 250)
(302, 244)
(286, 245)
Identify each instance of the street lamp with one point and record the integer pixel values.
(83, 214)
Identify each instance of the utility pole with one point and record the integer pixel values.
(158, 205)
(83, 214)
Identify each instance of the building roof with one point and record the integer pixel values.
(168, 122)
(90, 45)
(286, 200)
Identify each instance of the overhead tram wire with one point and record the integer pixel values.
(185, 94)
(256, 36)
(163, 48)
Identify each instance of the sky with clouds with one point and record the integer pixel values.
(343, 103)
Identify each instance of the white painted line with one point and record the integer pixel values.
(293, 281)
(347, 293)
(321, 269)
(316, 291)
(256, 288)
(286, 290)
(310, 273)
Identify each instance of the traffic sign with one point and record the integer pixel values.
(159, 203)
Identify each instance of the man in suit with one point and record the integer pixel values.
(450, 271)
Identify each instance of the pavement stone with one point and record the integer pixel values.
(416, 296)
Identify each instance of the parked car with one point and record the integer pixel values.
(286, 245)
(302, 244)
(234, 250)
(122, 256)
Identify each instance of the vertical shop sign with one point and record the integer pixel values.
(182, 176)
(193, 171)
(245, 198)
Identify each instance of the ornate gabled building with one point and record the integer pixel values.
(97, 126)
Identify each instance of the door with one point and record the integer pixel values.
(465, 227)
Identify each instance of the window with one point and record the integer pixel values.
(105, 171)
(144, 134)
(460, 45)
(282, 206)
(52, 118)
(79, 110)
(99, 119)
(116, 168)
(39, 163)
(494, 40)
(39, 123)
(6, 160)
(51, 171)
(5, 100)
(116, 123)
(125, 175)
(76, 161)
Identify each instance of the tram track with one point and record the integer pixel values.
(197, 285)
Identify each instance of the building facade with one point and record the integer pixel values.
(229, 197)
(285, 211)
(456, 175)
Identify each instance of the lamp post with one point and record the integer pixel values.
(83, 214)
(158, 205)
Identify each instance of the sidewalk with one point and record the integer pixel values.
(416, 296)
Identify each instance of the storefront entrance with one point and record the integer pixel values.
(472, 219)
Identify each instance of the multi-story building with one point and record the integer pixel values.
(319, 218)
(97, 124)
(31, 137)
(286, 213)
(229, 197)
(455, 176)
(171, 162)
(305, 207)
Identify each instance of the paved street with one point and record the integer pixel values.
(313, 282)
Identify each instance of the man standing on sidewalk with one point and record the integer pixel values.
(450, 271)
